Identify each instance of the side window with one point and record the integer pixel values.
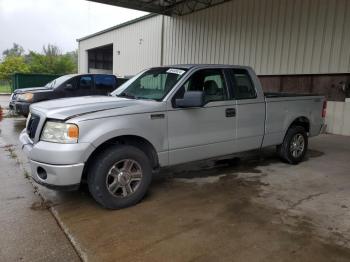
(210, 81)
(242, 84)
(105, 82)
(85, 82)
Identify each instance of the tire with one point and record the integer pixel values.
(294, 146)
(114, 178)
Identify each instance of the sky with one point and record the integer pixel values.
(34, 23)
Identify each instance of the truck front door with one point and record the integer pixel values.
(208, 131)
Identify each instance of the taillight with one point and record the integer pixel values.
(324, 109)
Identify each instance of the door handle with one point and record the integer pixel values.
(157, 116)
(230, 112)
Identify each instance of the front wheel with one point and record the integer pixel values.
(294, 146)
(119, 176)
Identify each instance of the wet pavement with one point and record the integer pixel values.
(28, 231)
(250, 209)
(4, 100)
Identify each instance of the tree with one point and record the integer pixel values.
(15, 50)
(65, 64)
(73, 55)
(51, 64)
(51, 50)
(12, 64)
(50, 61)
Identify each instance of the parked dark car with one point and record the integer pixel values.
(64, 86)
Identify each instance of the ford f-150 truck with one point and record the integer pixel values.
(161, 117)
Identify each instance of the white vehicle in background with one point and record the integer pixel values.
(163, 116)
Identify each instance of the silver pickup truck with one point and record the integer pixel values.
(163, 116)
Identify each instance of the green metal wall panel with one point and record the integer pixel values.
(20, 80)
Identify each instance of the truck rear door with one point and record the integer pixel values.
(250, 109)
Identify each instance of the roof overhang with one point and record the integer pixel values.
(164, 7)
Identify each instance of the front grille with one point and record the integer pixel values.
(33, 125)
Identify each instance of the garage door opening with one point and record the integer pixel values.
(101, 60)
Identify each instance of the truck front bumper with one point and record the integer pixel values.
(21, 108)
(50, 171)
(63, 178)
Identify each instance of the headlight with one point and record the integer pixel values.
(25, 97)
(58, 132)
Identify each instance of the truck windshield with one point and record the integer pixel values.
(58, 81)
(152, 84)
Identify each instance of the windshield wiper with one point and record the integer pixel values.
(124, 94)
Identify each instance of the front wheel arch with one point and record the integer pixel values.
(139, 142)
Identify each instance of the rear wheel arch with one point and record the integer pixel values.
(300, 121)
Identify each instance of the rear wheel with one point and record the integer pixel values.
(119, 176)
(294, 146)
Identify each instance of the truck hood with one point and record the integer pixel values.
(32, 90)
(67, 108)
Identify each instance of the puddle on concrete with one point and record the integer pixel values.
(311, 153)
(183, 222)
(41, 205)
(19, 125)
(10, 128)
(248, 162)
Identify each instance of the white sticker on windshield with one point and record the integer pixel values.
(175, 71)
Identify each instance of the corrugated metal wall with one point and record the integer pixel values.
(272, 36)
(275, 37)
(139, 45)
(338, 118)
(135, 47)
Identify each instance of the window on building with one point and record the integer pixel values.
(101, 58)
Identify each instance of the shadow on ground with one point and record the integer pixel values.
(204, 211)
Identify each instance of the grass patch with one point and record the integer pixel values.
(5, 88)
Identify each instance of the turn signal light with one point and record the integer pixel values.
(73, 131)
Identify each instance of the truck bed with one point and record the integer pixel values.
(279, 94)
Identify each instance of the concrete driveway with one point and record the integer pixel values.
(28, 231)
(252, 209)
(4, 100)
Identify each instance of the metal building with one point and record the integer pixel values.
(294, 45)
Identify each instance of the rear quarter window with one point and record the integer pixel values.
(242, 84)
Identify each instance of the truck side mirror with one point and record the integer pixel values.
(191, 99)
